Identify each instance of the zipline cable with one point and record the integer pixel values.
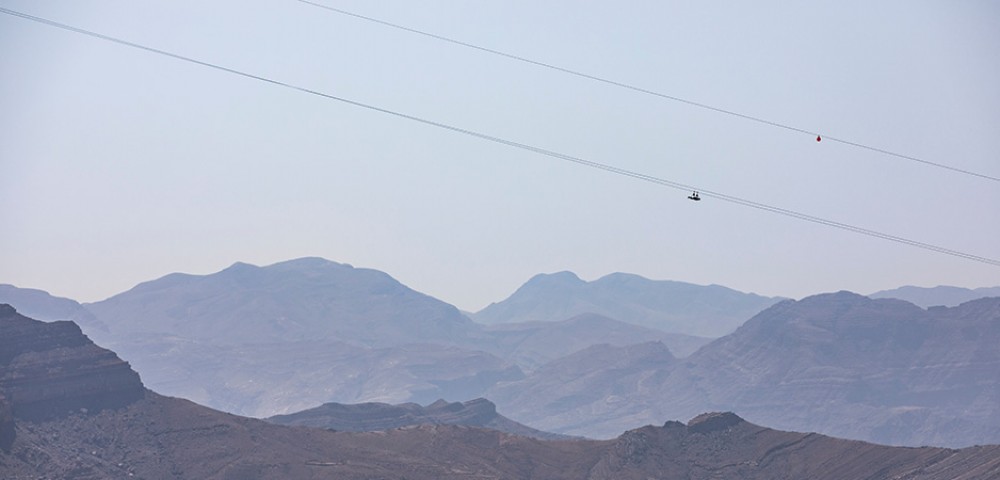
(522, 146)
(649, 92)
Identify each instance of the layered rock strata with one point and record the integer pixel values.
(52, 369)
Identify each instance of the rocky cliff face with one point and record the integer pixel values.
(51, 369)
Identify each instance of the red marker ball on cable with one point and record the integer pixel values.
(818, 139)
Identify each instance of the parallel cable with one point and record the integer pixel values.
(523, 146)
(648, 92)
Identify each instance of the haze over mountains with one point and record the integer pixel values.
(267, 340)
(70, 409)
(941, 295)
(676, 307)
(283, 338)
(297, 300)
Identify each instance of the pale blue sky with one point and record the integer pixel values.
(118, 166)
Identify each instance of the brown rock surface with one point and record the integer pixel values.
(52, 369)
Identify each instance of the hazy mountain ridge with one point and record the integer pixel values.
(943, 295)
(367, 417)
(900, 374)
(36, 303)
(296, 300)
(675, 307)
(151, 436)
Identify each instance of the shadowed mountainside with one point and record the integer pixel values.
(841, 364)
(675, 307)
(52, 369)
(367, 417)
(941, 295)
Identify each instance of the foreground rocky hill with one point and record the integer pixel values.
(675, 307)
(842, 364)
(49, 369)
(91, 419)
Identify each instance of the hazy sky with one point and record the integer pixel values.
(118, 166)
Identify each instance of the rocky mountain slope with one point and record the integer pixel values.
(368, 417)
(841, 364)
(934, 296)
(675, 307)
(92, 420)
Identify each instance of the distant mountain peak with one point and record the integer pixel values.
(621, 277)
(839, 296)
(945, 295)
(670, 306)
(240, 267)
(382, 416)
(713, 421)
(564, 278)
(307, 298)
(309, 263)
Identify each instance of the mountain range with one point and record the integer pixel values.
(70, 409)
(843, 364)
(897, 373)
(269, 340)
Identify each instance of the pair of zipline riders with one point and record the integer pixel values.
(694, 195)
